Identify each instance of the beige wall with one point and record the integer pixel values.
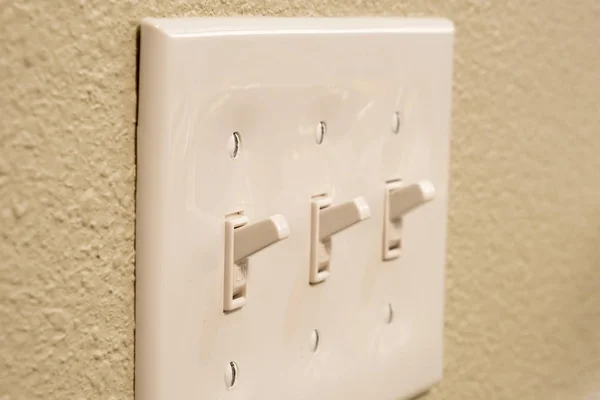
(523, 274)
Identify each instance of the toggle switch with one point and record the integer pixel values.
(326, 221)
(242, 240)
(399, 201)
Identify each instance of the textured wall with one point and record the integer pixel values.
(523, 275)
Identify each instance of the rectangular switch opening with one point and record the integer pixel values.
(319, 249)
(239, 284)
(392, 237)
(234, 273)
(323, 263)
(239, 294)
(395, 245)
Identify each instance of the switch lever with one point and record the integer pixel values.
(326, 221)
(399, 201)
(406, 199)
(250, 239)
(337, 218)
(242, 241)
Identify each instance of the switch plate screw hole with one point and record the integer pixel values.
(231, 374)
(389, 313)
(235, 144)
(321, 131)
(396, 122)
(314, 340)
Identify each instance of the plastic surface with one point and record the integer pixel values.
(230, 114)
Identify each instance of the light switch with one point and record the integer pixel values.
(257, 116)
(241, 241)
(400, 200)
(326, 221)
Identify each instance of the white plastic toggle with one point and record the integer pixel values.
(242, 241)
(326, 221)
(399, 201)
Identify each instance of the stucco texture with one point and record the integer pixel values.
(523, 273)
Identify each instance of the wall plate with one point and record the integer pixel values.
(377, 325)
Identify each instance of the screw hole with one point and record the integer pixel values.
(321, 131)
(314, 340)
(396, 122)
(234, 145)
(231, 374)
(389, 313)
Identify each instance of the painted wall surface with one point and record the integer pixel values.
(523, 274)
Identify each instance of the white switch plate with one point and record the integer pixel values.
(273, 81)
